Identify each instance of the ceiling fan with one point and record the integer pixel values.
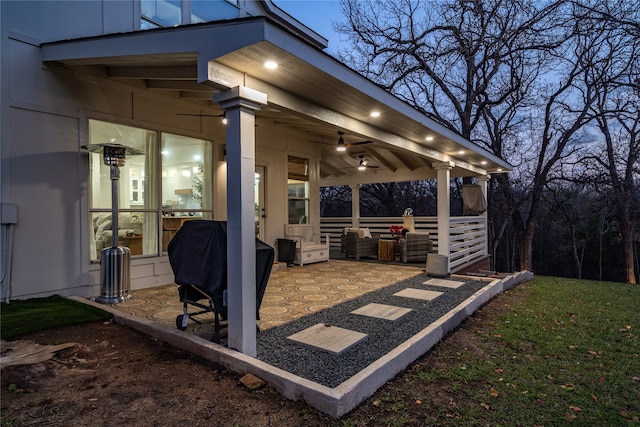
(342, 146)
(363, 165)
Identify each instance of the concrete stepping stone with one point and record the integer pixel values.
(443, 283)
(327, 337)
(418, 294)
(382, 311)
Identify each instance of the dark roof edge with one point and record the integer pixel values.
(301, 30)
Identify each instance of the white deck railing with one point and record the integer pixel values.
(467, 234)
(467, 240)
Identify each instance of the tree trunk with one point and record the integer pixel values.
(576, 256)
(627, 243)
(524, 239)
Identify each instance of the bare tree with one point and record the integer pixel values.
(452, 59)
(470, 65)
(617, 113)
(521, 78)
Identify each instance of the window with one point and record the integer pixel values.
(171, 13)
(213, 10)
(157, 191)
(298, 190)
(160, 13)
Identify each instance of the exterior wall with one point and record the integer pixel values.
(45, 113)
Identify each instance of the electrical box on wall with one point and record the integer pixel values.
(9, 213)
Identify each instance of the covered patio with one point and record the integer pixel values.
(310, 99)
(331, 295)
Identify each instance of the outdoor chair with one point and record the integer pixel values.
(356, 245)
(415, 246)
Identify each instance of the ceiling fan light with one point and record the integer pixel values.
(363, 163)
(341, 145)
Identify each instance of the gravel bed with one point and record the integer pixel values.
(331, 370)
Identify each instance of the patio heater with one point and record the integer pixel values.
(115, 262)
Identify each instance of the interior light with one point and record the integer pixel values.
(271, 65)
(499, 169)
(375, 114)
(197, 157)
(224, 118)
(484, 162)
(362, 167)
(164, 152)
(429, 138)
(461, 152)
(195, 169)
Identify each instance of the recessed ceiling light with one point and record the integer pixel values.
(271, 65)
(499, 169)
(375, 114)
(461, 152)
(429, 138)
(484, 162)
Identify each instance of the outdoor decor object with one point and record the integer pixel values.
(437, 265)
(408, 220)
(115, 261)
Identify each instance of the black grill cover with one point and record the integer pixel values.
(198, 257)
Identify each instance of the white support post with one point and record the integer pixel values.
(240, 104)
(355, 205)
(483, 180)
(444, 211)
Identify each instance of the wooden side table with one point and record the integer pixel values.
(134, 243)
(386, 250)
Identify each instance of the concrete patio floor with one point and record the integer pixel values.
(334, 401)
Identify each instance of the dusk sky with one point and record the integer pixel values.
(317, 15)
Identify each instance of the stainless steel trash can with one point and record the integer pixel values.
(115, 275)
(437, 265)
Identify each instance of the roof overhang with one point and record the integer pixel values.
(309, 91)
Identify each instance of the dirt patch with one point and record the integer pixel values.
(116, 376)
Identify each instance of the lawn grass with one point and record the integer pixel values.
(567, 351)
(560, 352)
(24, 316)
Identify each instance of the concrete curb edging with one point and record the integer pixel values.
(342, 399)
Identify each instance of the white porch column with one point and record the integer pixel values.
(444, 211)
(355, 205)
(240, 104)
(483, 180)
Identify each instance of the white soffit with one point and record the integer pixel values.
(307, 84)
